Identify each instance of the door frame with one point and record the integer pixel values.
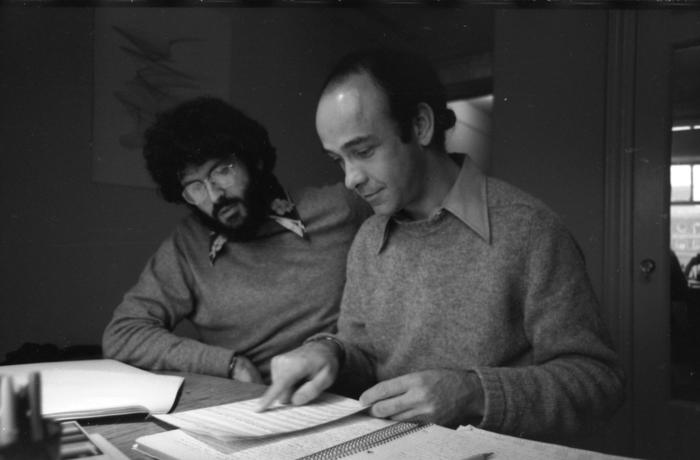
(637, 225)
(617, 287)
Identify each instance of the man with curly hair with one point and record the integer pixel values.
(254, 269)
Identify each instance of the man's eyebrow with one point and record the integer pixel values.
(185, 181)
(330, 153)
(355, 142)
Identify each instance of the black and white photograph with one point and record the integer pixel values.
(350, 229)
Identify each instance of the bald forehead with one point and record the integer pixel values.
(353, 94)
(346, 98)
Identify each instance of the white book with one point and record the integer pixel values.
(97, 387)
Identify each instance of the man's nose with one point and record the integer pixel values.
(354, 176)
(213, 190)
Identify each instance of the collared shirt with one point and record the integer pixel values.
(282, 210)
(518, 309)
(466, 200)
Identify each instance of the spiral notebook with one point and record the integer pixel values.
(405, 441)
(366, 442)
(337, 440)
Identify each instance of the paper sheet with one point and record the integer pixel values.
(240, 420)
(175, 444)
(93, 388)
(510, 447)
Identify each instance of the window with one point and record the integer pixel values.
(472, 131)
(685, 210)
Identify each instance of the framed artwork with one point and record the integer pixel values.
(145, 61)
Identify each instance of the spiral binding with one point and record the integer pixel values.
(367, 441)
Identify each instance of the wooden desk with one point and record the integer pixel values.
(197, 391)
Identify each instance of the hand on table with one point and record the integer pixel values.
(301, 375)
(245, 371)
(445, 397)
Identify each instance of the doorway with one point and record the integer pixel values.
(666, 394)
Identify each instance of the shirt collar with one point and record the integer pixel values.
(282, 210)
(466, 200)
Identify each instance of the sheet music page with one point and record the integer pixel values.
(298, 444)
(240, 419)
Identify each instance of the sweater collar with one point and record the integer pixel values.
(466, 200)
(282, 210)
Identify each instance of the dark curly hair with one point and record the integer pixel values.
(200, 130)
(407, 79)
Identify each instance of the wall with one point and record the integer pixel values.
(549, 115)
(549, 135)
(69, 246)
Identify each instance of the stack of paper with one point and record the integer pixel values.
(178, 445)
(237, 431)
(325, 429)
(96, 388)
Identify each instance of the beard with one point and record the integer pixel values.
(238, 218)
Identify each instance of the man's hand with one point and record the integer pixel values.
(445, 397)
(314, 366)
(245, 371)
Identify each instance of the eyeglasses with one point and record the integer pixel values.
(222, 177)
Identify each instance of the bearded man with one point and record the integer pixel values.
(254, 269)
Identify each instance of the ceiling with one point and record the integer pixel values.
(459, 40)
(441, 33)
(686, 85)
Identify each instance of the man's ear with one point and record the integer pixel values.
(259, 164)
(424, 124)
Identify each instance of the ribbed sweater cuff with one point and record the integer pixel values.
(215, 361)
(494, 399)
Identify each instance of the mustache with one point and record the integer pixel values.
(225, 202)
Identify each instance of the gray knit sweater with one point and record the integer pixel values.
(260, 298)
(504, 294)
